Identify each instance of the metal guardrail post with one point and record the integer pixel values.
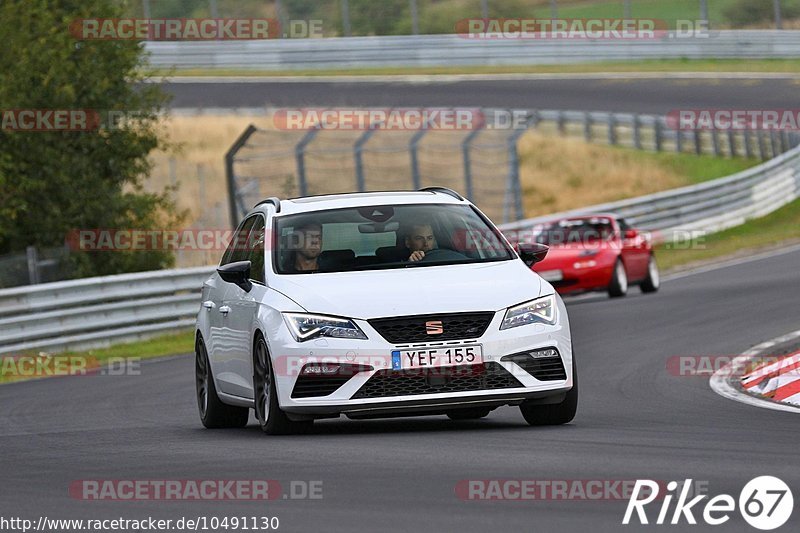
(466, 144)
(561, 120)
(785, 144)
(773, 141)
(678, 140)
(587, 126)
(748, 148)
(762, 145)
(358, 151)
(230, 176)
(413, 150)
(33, 265)
(300, 159)
(731, 143)
(659, 135)
(715, 142)
(698, 142)
(637, 131)
(612, 129)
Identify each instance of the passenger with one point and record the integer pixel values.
(306, 248)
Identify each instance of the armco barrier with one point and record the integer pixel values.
(421, 51)
(98, 311)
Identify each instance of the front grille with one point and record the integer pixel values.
(463, 378)
(454, 326)
(309, 386)
(542, 368)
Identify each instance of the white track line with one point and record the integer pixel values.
(720, 382)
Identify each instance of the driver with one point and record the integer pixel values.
(420, 240)
(307, 249)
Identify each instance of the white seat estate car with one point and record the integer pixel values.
(379, 304)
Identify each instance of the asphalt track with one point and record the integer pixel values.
(635, 420)
(634, 95)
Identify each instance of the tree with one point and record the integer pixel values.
(55, 182)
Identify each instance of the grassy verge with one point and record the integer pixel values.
(161, 346)
(775, 229)
(790, 66)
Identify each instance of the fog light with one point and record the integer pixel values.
(544, 354)
(320, 369)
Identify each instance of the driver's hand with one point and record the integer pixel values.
(416, 256)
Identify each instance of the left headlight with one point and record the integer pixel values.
(541, 311)
(305, 327)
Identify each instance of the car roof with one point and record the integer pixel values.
(361, 199)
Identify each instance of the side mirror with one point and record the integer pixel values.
(532, 253)
(631, 233)
(237, 273)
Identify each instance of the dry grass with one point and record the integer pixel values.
(563, 173)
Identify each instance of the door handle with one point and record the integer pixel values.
(224, 309)
(208, 304)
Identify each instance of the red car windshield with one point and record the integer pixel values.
(581, 231)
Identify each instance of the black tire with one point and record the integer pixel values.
(619, 280)
(213, 413)
(271, 418)
(473, 413)
(653, 280)
(554, 414)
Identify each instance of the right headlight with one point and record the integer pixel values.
(538, 311)
(305, 327)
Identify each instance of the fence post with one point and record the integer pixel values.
(466, 144)
(300, 159)
(731, 143)
(659, 135)
(785, 144)
(513, 185)
(612, 129)
(234, 202)
(678, 140)
(698, 142)
(413, 149)
(358, 151)
(33, 265)
(587, 126)
(345, 18)
(562, 123)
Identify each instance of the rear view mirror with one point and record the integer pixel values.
(237, 273)
(631, 233)
(532, 253)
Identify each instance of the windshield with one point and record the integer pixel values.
(575, 231)
(384, 237)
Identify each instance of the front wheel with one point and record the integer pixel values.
(619, 281)
(213, 413)
(271, 418)
(653, 280)
(555, 414)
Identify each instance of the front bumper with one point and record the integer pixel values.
(289, 357)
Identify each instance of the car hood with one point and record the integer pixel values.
(412, 291)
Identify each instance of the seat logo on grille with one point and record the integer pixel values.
(434, 327)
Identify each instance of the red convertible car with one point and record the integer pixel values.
(598, 252)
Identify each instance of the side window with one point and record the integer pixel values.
(255, 244)
(237, 249)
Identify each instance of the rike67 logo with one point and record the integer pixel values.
(765, 503)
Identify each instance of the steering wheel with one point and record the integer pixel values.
(442, 254)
